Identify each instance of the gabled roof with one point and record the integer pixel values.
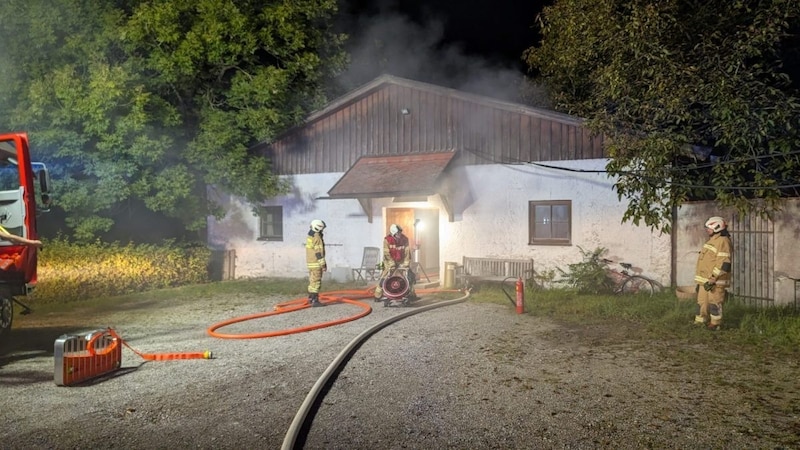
(396, 116)
(385, 79)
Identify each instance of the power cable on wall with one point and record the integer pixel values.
(646, 177)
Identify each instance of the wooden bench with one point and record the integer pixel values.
(474, 270)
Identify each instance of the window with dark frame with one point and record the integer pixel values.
(550, 222)
(271, 223)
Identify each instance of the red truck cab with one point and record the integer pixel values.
(22, 182)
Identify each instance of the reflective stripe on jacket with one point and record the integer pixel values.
(716, 252)
(315, 250)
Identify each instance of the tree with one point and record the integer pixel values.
(663, 79)
(151, 102)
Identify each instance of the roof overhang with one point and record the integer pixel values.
(402, 176)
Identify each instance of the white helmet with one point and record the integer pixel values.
(716, 224)
(394, 229)
(317, 225)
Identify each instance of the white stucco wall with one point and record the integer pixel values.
(496, 224)
(491, 219)
(346, 235)
(787, 267)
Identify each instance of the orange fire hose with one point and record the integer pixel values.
(146, 356)
(343, 296)
(326, 298)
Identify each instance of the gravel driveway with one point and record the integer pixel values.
(465, 376)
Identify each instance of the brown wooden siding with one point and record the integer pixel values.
(483, 132)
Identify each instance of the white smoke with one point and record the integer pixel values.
(388, 42)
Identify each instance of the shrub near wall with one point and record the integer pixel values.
(73, 272)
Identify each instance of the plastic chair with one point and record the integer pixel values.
(369, 266)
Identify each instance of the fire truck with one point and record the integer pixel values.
(24, 192)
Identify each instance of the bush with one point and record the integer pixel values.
(70, 272)
(590, 276)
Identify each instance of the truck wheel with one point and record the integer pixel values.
(6, 314)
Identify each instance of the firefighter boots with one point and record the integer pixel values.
(313, 299)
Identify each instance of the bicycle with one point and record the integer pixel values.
(621, 282)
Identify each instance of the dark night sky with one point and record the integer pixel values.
(471, 45)
(498, 30)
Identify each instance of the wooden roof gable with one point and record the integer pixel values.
(396, 116)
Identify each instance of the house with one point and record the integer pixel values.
(463, 174)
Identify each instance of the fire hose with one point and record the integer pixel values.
(344, 296)
(90, 348)
(300, 417)
(82, 358)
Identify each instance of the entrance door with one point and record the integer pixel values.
(422, 228)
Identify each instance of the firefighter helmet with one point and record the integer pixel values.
(716, 224)
(394, 229)
(317, 225)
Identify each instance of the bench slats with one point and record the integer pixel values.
(494, 269)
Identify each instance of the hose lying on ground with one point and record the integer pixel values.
(344, 296)
(300, 417)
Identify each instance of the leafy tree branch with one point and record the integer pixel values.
(657, 78)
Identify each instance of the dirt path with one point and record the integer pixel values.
(464, 376)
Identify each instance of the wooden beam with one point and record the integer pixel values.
(366, 205)
(447, 207)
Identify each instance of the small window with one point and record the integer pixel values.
(9, 177)
(550, 222)
(271, 223)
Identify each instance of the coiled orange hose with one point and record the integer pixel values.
(342, 296)
(327, 298)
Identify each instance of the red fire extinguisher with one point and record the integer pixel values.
(520, 296)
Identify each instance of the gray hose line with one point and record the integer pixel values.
(294, 429)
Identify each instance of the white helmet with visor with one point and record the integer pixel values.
(716, 224)
(317, 225)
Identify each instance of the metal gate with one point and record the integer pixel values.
(753, 260)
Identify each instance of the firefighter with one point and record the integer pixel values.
(315, 260)
(713, 274)
(396, 254)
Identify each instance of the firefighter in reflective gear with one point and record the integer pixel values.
(396, 254)
(713, 274)
(315, 260)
